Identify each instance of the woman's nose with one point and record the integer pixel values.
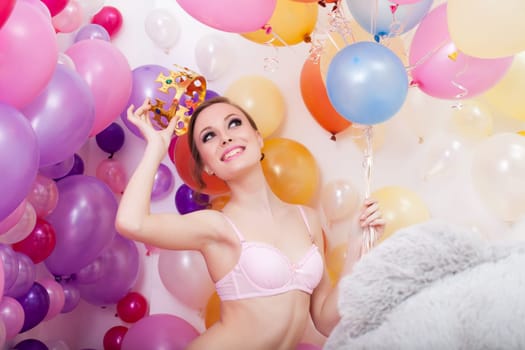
(226, 141)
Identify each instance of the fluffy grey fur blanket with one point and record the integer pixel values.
(434, 286)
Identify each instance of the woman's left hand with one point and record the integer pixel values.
(371, 216)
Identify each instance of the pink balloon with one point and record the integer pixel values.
(186, 277)
(29, 54)
(10, 221)
(12, 314)
(22, 228)
(110, 18)
(231, 16)
(159, 331)
(108, 74)
(441, 70)
(404, 2)
(43, 196)
(57, 298)
(113, 173)
(306, 346)
(69, 19)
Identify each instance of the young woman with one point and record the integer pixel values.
(264, 255)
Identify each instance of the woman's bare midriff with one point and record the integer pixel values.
(268, 323)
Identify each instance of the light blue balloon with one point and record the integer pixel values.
(376, 17)
(366, 83)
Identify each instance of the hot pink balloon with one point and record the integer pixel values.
(6, 7)
(108, 74)
(237, 16)
(29, 54)
(55, 6)
(444, 72)
(110, 18)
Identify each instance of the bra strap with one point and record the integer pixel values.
(235, 229)
(303, 214)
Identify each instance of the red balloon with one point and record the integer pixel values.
(113, 337)
(39, 244)
(6, 7)
(110, 18)
(132, 307)
(184, 163)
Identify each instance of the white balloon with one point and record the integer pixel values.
(213, 56)
(162, 28)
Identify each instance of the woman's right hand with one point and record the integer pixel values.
(141, 119)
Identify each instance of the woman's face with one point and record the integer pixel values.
(226, 141)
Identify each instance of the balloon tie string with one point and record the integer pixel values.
(427, 55)
(368, 232)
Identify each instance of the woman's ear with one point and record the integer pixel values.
(260, 139)
(207, 170)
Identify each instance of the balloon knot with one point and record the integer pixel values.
(307, 38)
(333, 138)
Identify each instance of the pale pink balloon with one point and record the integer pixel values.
(108, 74)
(441, 70)
(185, 275)
(12, 315)
(11, 220)
(404, 2)
(29, 52)
(69, 19)
(43, 195)
(23, 227)
(57, 298)
(113, 173)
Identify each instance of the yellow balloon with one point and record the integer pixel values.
(213, 310)
(521, 132)
(488, 29)
(291, 170)
(507, 95)
(291, 23)
(400, 207)
(335, 259)
(262, 99)
(335, 41)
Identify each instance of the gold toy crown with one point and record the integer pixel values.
(190, 91)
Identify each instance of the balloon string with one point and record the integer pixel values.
(373, 17)
(368, 232)
(427, 55)
(463, 90)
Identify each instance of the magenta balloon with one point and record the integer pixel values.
(6, 7)
(143, 86)
(25, 276)
(162, 182)
(55, 6)
(19, 157)
(61, 134)
(12, 314)
(118, 268)
(84, 223)
(29, 54)
(108, 74)
(231, 16)
(159, 331)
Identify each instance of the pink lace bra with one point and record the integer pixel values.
(263, 270)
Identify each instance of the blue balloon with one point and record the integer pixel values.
(366, 83)
(378, 17)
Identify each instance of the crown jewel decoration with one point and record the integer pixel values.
(190, 91)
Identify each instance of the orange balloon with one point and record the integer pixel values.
(213, 310)
(184, 163)
(315, 97)
(291, 170)
(335, 259)
(217, 203)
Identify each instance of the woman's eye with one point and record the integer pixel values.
(208, 136)
(234, 122)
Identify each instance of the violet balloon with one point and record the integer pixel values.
(111, 139)
(9, 260)
(92, 31)
(61, 134)
(35, 304)
(25, 276)
(84, 223)
(19, 157)
(162, 182)
(31, 344)
(188, 200)
(71, 296)
(118, 268)
(59, 169)
(157, 332)
(144, 86)
(77, 169)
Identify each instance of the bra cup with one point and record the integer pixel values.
(265, 268)
(312, 270)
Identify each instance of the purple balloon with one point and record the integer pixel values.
(84, 223)
(25, 277)
(92, 31)
(210, 94)
(162, 182)
(115, 272)
(58, 170)
(35, 304)
(31, 344)
(111, 139)
(77, 169)
(19, 158)
(143, 86)
(159, 331)
(188, 200)
(71, 296)
(62, 115)
(10, 263)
